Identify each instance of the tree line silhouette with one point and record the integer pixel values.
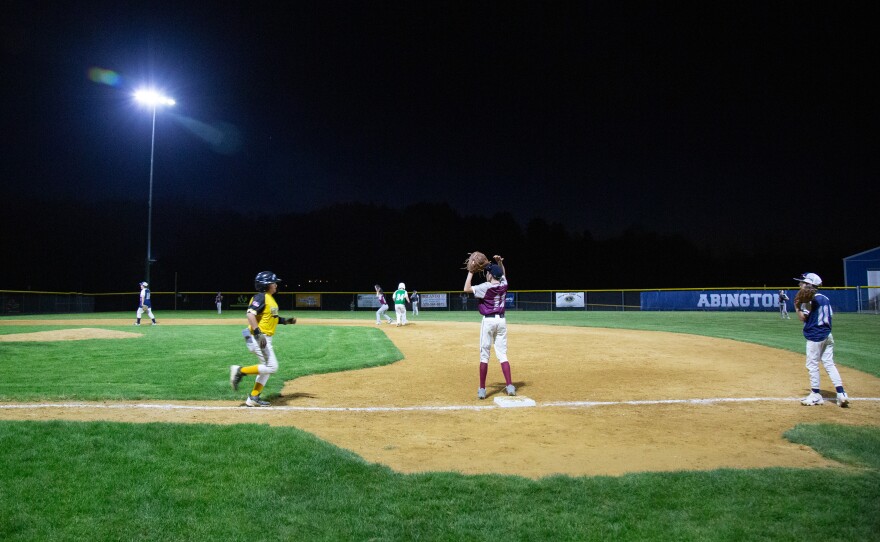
(101, 247)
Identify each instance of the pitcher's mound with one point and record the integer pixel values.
(80, 334)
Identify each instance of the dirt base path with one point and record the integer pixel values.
(609, 402)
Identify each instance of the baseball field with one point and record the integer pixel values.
(646, 426)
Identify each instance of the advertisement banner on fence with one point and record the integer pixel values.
(368, 301)
(311, 301)
(732, 300)
(510, 300)
(570, 299)
(432, 301)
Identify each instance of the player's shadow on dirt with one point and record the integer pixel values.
(492, 389)
(287, 399)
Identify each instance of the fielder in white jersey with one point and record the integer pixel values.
(816, 316)
(145, 304)
(491, 297)
(383, 306)
(400, 298)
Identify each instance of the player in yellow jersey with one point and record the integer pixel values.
(262, 316)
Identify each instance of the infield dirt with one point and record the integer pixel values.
(550, 364)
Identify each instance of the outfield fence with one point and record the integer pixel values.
(863, 299)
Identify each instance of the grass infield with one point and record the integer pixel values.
(117, 481)
(180, 362)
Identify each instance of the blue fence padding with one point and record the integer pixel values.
(737, 300)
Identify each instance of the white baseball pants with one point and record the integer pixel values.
(400, 312)
(380, 313)
(268, 362)
(822, 351)
(493, 332)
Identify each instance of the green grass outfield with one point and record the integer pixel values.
(116, 481)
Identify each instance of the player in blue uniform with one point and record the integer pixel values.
(783, 308)
(816, 316)
(144, 304)
(414, 300)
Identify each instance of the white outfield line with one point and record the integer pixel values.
(557, 404)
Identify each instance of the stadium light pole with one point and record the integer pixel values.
(152, 99)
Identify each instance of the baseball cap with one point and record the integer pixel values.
(495, 270)
(144, 284)
(810, 278)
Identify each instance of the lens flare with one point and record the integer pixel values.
(104, 77)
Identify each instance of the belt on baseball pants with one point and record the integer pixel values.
(494, 316)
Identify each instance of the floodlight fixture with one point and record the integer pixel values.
(153, 99)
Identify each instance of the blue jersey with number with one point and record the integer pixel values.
(817, 327)
(144, 298)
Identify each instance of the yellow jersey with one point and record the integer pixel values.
(265, 308)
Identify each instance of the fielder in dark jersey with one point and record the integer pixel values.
(816, 317)
(145, 304)
(491, 296)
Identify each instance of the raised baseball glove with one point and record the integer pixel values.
(803, 301)
(476, 262)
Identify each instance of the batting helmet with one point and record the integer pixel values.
(264, 279)
(810, 278)
(401, 286)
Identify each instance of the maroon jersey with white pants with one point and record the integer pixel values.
(493, 331)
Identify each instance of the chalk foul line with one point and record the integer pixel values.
(551, 404)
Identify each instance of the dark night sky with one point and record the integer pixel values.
(746, 123)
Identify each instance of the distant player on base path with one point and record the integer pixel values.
(491, 297)
(400, 298)
(814, 310)
(262, 317)
(145, 304)
(383, 306)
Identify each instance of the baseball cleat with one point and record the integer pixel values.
(812, 400)
(255, 401)
(137, 324)
(842, 400)
(481, 393)
(510, 389)
(235, 375)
